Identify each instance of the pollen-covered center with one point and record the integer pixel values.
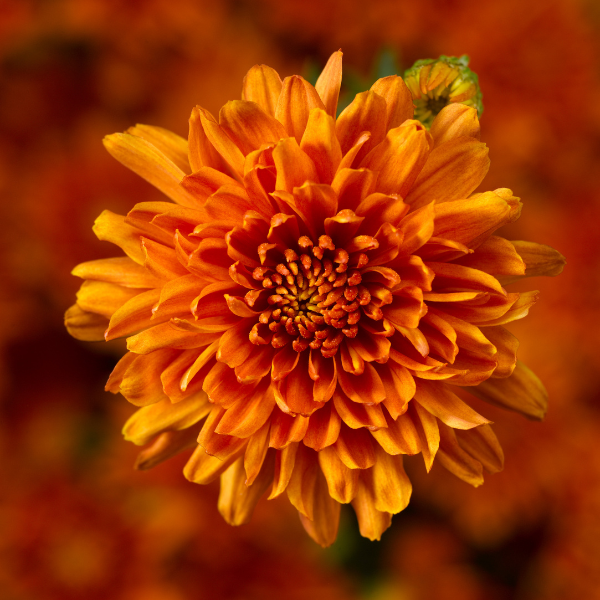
(316, 297)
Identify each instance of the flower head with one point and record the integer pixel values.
(436, 83)
(308, 308)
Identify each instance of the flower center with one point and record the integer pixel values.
(316, 295)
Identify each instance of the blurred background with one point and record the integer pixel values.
(76, 521)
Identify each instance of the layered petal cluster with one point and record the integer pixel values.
(315, 298)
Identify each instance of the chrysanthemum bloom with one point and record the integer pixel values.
(436, 83)
(305, 311)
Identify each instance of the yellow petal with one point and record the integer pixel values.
(400, 436)
(399, 105)
(522, 392)
(173, 146)
(444, 404)
(151, 420)
(133, 315)
(301, 487)
(297, 99)
(453, 121)
(262, 85)
(329, 82)
(151, 164)
(453, 170)
(141, 384)
(203, 468)
(284, 466)
(85, 326)
(321, 144)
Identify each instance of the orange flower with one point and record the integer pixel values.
(306, 310)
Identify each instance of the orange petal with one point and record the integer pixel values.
(165, 446)
(223, 388)
(326, 515)
(355, 448)
(539, 260)
(165, 336)
(201, 151)
(294, 393)
(371, 522)
(151, 164)
(391, 486)
(399, 387)
(210, 260)
(413, 271)
(284, 362)
(513, 311)
(141, 384)
(496, 256)
(262, 85)
(301, 487)
(506, 345)
(315, 202)
(453, 276)
(284, 466)
(400, 436)
(133, 315)
(367, 112)
(219, 446)
(350, 157)
(447, 406)
(104, 298)
(399, 158)
(323, 428)
(297, 99)
(323, 372)
(286, 429)
(427, 426)
(378, 209)
(151, 420)
(112, 228)
(257, 366)
(357, 415)
(407, 307)
(205, 182)
(249, 126)
(161, 261)
(121, 271)
(366, 388)
(294, 166)
(329, 82)
(398, 100)
(453, 170)
(235, 345)
(173, 146)
(321, 144)
(226, 148)
(482, 444)
(143, 213)
(522, 392)
(237, 499)
(228, 204)
(176, 297)
(352, 186)
(473, 220)
(203, 468)
(85, 326)
(454, 121)
(256, 452)
(456, 460)
(342, 482)
(417, 229)
(211, 310)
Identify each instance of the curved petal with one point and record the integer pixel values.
(262, 85)
(329, 82)
(398, 99)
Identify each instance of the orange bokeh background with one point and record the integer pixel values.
(76, 521)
